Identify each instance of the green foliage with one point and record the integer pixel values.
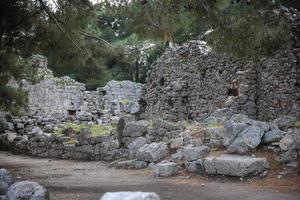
(97, 130)
(248, 30)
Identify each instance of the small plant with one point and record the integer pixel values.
(125, 101)
(297, 123)
(216, 124)
(72, 141)
(96, 129)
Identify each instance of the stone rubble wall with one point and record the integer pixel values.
(122, 96)
(192, 81)
(64, 97)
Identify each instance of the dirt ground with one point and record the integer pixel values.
(75, 180)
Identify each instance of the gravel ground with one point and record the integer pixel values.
(89, 180)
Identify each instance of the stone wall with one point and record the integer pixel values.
(64, 97)
(122, 96)
(192, 81)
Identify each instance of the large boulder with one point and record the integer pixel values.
(247, 140)
(235, 165)
(166, 169)
(153, 152)
(27, 190)
(5, 181)
(195, 153)
(130, 196)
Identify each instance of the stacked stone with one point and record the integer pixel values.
(122, 96)
(192, 81)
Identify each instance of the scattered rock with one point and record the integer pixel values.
(36, 131)
(195, 153)
(286, 142)
(177, 156)
(235, 165)
(166, 169)
(273, 135)
(11, 136)
(130, 196)
(176, 143)
(247, 140)
(137, 143)
(285, 122)
(5, 176)
(131, 164)
(27, 190)
(290, 155)
(153, 152)
(195, 166)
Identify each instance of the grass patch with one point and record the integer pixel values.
(216, 124)
(297, 123)
(96, 129)
(72, 141)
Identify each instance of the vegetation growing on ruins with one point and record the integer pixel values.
(97, 43)
(96, 129)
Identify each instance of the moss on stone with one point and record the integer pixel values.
(96, 129)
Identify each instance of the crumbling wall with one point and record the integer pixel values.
(192, 81)
(122, 96)
(64, 97)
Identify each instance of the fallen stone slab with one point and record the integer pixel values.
(153, 152)
(166, 169)
(131, 164)
(130, 196)
(235, 165)
(27, 190)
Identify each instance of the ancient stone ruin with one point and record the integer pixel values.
(191, 82)
(200, 111)
(64, 97)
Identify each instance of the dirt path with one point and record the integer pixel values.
(75, 180)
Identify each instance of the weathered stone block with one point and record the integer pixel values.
(131, 164)
(235, 165)
(153, 152)
(195, 153)
(135, 129)
(166, 169)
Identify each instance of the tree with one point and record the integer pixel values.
(30, 26)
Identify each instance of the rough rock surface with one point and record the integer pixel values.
(5, 181)
(66, 98)
(27, 190)
(153, 152)
(192, 81)
(130, 196)
(122, 96)
(131, 164)
(234, 165)
(195, 153)
(165, 169)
